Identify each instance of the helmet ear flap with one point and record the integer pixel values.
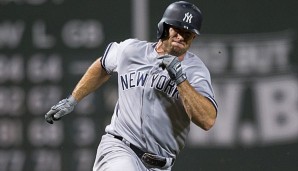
(163, 30)
(160, 30)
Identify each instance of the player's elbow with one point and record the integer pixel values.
(205, 123)
(209, 124)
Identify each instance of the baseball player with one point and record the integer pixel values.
(162, 89)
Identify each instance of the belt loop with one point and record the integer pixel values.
(126, 142)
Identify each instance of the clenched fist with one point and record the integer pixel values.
(173, 66)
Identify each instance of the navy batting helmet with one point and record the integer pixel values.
(182, 15)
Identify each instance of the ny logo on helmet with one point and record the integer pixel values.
(187, 17)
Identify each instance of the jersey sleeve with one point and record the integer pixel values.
(110, 57)
(205, 88)
(201, 81)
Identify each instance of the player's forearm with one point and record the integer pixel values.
(200, 110)
(92, 79)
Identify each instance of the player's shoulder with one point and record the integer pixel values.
(134, 46)
(134, 42)
(194, 63)
(193, 59)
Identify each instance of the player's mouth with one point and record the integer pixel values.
(178, 44)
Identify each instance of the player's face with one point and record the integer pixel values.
(179, 41)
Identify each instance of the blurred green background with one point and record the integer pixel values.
(250, 48)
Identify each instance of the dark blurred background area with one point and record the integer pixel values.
(250, 48)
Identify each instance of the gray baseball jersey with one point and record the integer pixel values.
(149, 112)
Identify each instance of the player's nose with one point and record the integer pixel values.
(180, 37)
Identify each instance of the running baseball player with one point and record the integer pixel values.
(162, 89)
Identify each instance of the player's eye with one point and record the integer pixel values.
(185, 34)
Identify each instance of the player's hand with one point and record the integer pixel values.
(62, 108)
(173, 66)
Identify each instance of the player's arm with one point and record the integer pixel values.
(94, 77)
(200, 109)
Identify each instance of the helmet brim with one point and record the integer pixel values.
(181, 25)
